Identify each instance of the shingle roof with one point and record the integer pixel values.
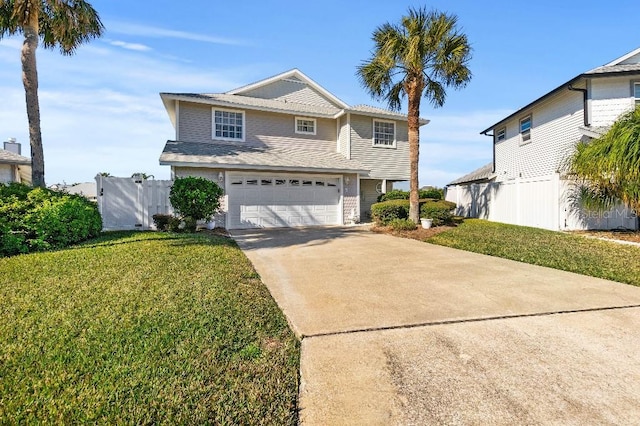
(231, 156)
(258, 103)
(603, 71)
(8, 157)
(615, 69)
(483, 173)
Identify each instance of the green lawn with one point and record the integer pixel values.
(143, 328)
(573, 253)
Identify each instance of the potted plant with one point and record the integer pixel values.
(426, 223)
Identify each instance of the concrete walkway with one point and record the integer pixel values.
(396, 331)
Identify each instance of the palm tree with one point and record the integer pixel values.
(59, 23)
(424, 54)
(609, 167)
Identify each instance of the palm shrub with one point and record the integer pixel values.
(195, 198)
(609, 167)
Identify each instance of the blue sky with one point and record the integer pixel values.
(101, 111)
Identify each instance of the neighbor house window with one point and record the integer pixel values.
(306, 126)
(525, 130)
(228, 124)
(501, 134)
(636, 92)
(384, 133)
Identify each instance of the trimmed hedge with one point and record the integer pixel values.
(439, 210)
(398, 194)
(37, 219)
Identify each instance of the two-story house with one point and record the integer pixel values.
(527, 182)
(287, 152)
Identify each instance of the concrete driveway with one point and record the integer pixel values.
(397, 331)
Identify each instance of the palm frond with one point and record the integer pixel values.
(611, 163)
(66, 24)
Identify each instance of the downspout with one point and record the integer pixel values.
(585, 104)
(493, 145)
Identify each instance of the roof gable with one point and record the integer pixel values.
(290, 86)
(632, 57)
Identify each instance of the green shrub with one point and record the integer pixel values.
(174, 224)
(383, 213)
(440, 211)
(34, 219)
(161, 221)
(423, 194)
(195, 198)
(395, 194)
(402, 225)
(432, 193)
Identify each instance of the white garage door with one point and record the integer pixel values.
(265, 201)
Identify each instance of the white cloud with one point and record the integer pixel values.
(127, 28)
(131, 46)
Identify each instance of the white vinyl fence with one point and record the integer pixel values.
(543, 202)
(130, 203)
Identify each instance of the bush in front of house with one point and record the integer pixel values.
(383, 213)
(402, 225)
(432, 193)
(394, 194)
(194, 198)
(423, 194)
(36, 219)
(440, 211)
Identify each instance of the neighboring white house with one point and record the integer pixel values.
(13, 166)
(287, 152)
(526, 184)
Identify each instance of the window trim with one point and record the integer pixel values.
(213, 124)
(373, 134)
(525, 132)
(634, 84)
(315, 126)
(502, 130)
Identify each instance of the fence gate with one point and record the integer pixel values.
(130, 203)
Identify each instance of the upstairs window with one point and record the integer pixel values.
(501, 134)
(305, 126)
(228, 124)
(525, 130)
(384, 133)
(636, 92)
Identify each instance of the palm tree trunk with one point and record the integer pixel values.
(30, 82)
(414, 93)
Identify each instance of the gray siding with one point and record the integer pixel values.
(610, 97)
(291, 91)
(554, 133)
(262, 129)
(343, 140)
(369, 196)
(384, 163)
(350, 198)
